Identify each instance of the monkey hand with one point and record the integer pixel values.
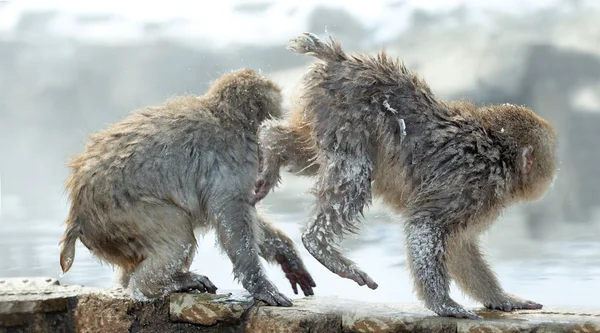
(354, 273)
(510, 303)
(189, 281)
(297, 274)
(266, 181)
(336, 262)
(267, 292)
(450, 308)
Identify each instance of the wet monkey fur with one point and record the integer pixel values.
(143, 185)
(367, 126)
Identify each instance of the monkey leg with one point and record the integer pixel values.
(167, 270)
(475, 277)
(276, 247)
(152, 244)
(426, 246)
(343, 189)
(281, 144)
(238, 230)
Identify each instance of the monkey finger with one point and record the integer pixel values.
(296, 280)
(458, 312)
(192, 286)
(518, 304)
(530, 305)
(210, 287)
(514, 304)
(203, 284)
(282, 300)
(260, 195)
(307, 283)
(368, 281)
(294, 286)
(468, 315)
(297, 274)
(359, 277)
(258, 184)
(307, 290)
(306, 287)
(273, 298)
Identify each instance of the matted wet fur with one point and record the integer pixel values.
(367, 126)
(142, 186)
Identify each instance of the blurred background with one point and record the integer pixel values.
(68, 67)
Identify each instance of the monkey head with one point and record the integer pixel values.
(532, 142)
(250, 93)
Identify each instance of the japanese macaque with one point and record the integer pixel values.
(142, 186)
(367, 126)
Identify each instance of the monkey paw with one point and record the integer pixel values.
(337, 263)
(511, 303)
(263, 185)
(272, 297)
(456, 311)
(297, 274)
(357, 275)
(190, 281)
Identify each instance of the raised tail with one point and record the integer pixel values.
(310, 43)
(67, 252)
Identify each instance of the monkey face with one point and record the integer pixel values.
(539, 161)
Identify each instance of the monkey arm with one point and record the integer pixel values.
(427, 241)
(276, 247)
(473, 274)
(280, 145)
(343, 189)
(273, 141)
(235, 223)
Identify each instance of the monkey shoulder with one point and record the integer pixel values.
(461, 155)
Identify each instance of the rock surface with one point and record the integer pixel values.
(43, 305)
(34, 303)
(208, 309)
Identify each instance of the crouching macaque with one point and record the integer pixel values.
(142, 186)
(367, 126)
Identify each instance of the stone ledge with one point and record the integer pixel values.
(43, 305)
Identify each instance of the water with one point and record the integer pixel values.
(563, 269)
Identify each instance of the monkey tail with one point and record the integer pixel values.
(67, 252)
(310, 43)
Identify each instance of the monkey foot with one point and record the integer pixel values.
(272, 297)
(190, 281)
(455, 311)
(357, 275)
(297, 274)
(512, 303)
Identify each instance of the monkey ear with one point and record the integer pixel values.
(527, 159)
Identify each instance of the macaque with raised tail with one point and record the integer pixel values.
(142, 186)
(366, 126)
